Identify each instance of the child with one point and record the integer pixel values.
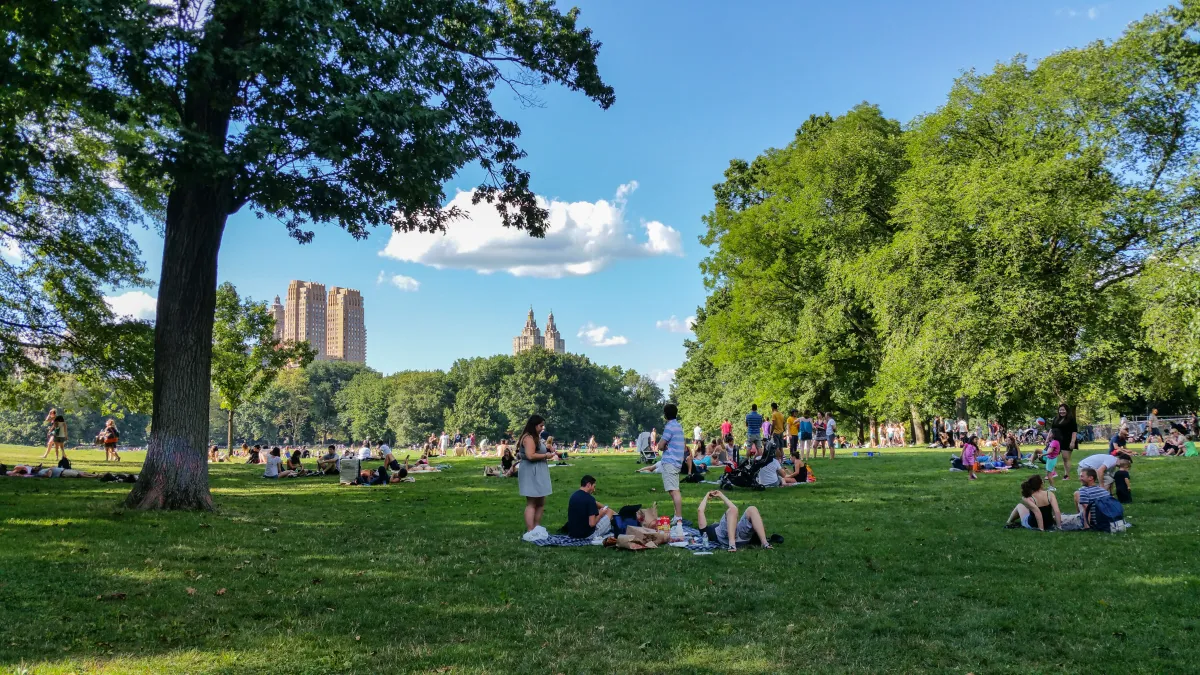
(1121, 482)
(1051, 460)
(968, 456)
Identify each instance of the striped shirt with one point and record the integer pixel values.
(1092, 494)
(754, 422)
(673, 436)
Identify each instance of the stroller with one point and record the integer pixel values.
(746, 475)
(646, 454)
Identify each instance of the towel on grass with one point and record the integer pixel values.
(564, 540)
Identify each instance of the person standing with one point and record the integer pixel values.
(671, 446)
(1068, 435)
(793, 431)
(806, 436)
(49, 422)
(59, 435)
(533, 474)
(1152, 423)
(110, 437)
(697, 434)
(962, 429)
(830, 436)
(778, 429)
(726, 428)
(653, 436)
(754, 422)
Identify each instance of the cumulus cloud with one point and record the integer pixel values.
(407, 284)
(674, 325)
(664, 378)
(597, 336)
(1091, 12)
(582, 238)
(134, 304)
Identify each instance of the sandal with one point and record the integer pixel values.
(732, 549)
(768, 547)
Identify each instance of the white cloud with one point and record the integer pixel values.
(663, 378)
(135, 304)
(1092, 13)
(11, 249)
(407, 284)
(597, 336)
(674, 325)
(582, 238)
(381, 278)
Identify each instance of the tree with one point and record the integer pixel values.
(325, 380)
(477, 396)
(355, 113)
(246, 355)
(363, 405)
(576, 397)
(290, 398)
(641, 403)
(418, 405)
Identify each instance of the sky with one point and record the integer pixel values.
(697, 84)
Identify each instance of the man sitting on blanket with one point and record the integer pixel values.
(585, 518)
(773, 475)
(732, 531)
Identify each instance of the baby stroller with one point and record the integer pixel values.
(746, 475)
(646, 454)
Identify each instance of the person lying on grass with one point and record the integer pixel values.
(1038, 509)
(26, 471)
(732, 531)
(401, 475)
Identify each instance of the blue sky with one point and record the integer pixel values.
(697, 84)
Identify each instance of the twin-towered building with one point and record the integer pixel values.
(531, 336)
(332, 323)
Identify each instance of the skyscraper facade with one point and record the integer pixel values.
(280, 316)
(304, 315)
(345, 330)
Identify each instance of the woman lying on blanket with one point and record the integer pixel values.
(26, 471)
(733, 531)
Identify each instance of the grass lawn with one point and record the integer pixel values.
(889, 564)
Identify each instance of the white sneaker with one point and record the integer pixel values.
(1052, 488)
(536, 534)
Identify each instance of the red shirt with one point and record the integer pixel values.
(726, 429)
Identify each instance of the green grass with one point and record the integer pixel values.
(890, 564)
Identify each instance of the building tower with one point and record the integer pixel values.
(305, 315)
(345, 331)
(530, 336)
(278, 313)
(553, 341)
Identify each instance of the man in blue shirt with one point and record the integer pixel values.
(585, 518)
(754, 422)
(671, 445)
(1089, 494)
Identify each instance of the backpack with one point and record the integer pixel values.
(64, 463)
(1105, 514)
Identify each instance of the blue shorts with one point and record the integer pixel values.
(1050, 464)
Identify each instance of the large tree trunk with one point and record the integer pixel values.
(918, 426)
(229, 432)
(175, 474)
(960, 407)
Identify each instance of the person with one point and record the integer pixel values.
(385, 453)
(534, 473)
(806, 435)
(726, 428)
(253, 457)
(364, 452)
(962, 428)
(697, 433)
(293, 463)
(1174, 443)
(1068, 435)
(328, 463)
(58, 436)
(444, 442)
(1153, 447)
(653, 436)
(109, 436)
(671, 448)
(732, 531)
(701, 462)
(1038, 509)
(799, 472)
(731, 451)
(773, 475)
(508, 464)
(819, 434)
(1119, 443)
(586, 518)
(969, 452)
(1052, 452)
(830, 436)
(793, 432)
(401, 473)
(1121, 482)
(274, 465)
(1089, 493)
(49, 422)
(1152, 422)
(778, 429)
(1012, 450)
(592, 445)
(754, 422)
(1103, 465)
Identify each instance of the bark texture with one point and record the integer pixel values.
(918, 425)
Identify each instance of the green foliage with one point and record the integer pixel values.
(85, 412)
(418, 405)
(325, 380)
(575, 397)
(477, 396)
(362, 406)
(292, 403)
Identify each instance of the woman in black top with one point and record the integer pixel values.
(508, 463)
(1068, 435)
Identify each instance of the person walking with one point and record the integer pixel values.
(49, 422)
(58, 436)
(533, 475)
(109, 436)
(830, 436)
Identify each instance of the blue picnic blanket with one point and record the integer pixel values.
(564, 540)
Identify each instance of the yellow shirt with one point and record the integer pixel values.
(777, 423)
(793, 426)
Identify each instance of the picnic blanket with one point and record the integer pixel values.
(564, 540)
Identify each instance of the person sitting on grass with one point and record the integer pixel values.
(255, 456)
(586, 518)
(1038, 509)
(293, 463)
(508, 463)
(701, 462)
(1119, 443)
(1174, 444)
(799, 472)
(328, 463)
(1012, 450)
(275, 466)
(1089, 493)
(732, 531)
(773, 475)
